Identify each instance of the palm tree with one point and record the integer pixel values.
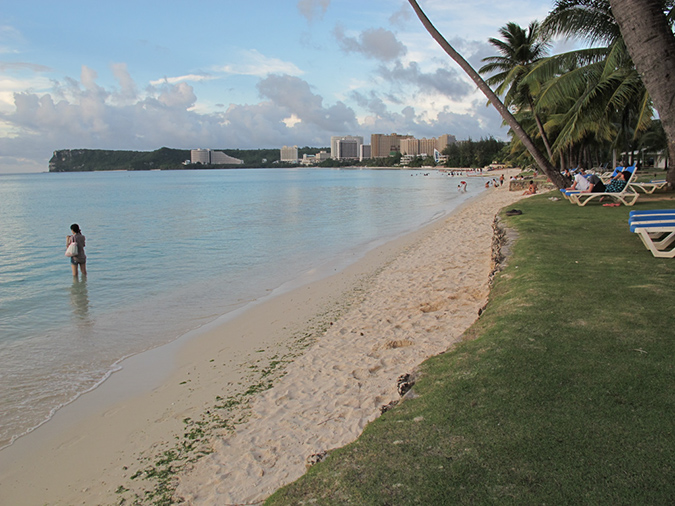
(598, 92)
(551, 172)
(519, 49)
(651, 43)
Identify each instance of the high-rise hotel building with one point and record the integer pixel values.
(289, 154)
(408, 145)
(382, 145)
(345, 146)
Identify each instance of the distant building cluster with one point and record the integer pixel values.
(387, 145)
(316, 159)
(210, 157)
(351, 147)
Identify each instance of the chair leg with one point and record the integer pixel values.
(647, 241)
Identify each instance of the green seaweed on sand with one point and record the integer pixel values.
(154, 479)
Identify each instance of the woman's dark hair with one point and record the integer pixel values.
(627, 174)
(75, 228)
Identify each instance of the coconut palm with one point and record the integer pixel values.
(650, 41)
(648, 26)
(519, 50)
(554, 175)
(597, 92)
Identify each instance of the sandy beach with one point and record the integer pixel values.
(333, 350)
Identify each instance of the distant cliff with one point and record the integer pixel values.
(82, 160)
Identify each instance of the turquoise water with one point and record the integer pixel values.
(168, 252)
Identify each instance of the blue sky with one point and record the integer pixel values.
(144, 74)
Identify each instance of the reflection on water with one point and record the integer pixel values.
(79, 299)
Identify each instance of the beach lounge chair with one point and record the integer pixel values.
(656, 228)
(607, 176)
(567, 193)
(657, 236)
(604, 177)
(651, 187)
(627, 197)
(653, 212)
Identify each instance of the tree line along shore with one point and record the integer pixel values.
(462, 154)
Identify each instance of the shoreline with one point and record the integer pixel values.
(92, 447)
(416, 306)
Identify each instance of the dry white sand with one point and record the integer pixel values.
(416, 307)
(402, 303)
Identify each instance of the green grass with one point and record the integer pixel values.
(562, 393)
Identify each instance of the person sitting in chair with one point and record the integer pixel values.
(580, 182)
(595, 185)
(617, 185)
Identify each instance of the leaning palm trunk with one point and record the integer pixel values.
(651, 45)
(540, 127)
(544, 164)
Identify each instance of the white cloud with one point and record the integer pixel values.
(9, 85)
(445, 81)
(294, 95)
(256, 64)
(376, 43)
(180, 79)
(313, 8)
(23, 66)
(291, 121)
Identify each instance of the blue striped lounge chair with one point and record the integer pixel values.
(628, 196)
(656, 229)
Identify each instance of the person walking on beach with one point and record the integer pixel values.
(79, 259)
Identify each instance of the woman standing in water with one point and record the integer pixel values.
(79, 259)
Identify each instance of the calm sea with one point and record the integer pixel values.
(167, 253)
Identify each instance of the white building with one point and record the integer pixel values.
(220, 158)
(202, 156)
(209, 157)
(289, 154)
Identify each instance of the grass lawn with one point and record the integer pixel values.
(563, 392)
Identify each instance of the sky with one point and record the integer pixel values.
(145, 74)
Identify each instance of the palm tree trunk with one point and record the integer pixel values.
(542, 132)
(545, 165)
(651, 45)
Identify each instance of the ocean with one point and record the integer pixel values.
(168, 252)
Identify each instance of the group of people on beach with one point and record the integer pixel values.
(494, 182)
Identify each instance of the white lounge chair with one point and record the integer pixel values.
(662, 215)
(657, 236)
(608, 176)
(651, 187)
(647, 212)
(628, 196)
